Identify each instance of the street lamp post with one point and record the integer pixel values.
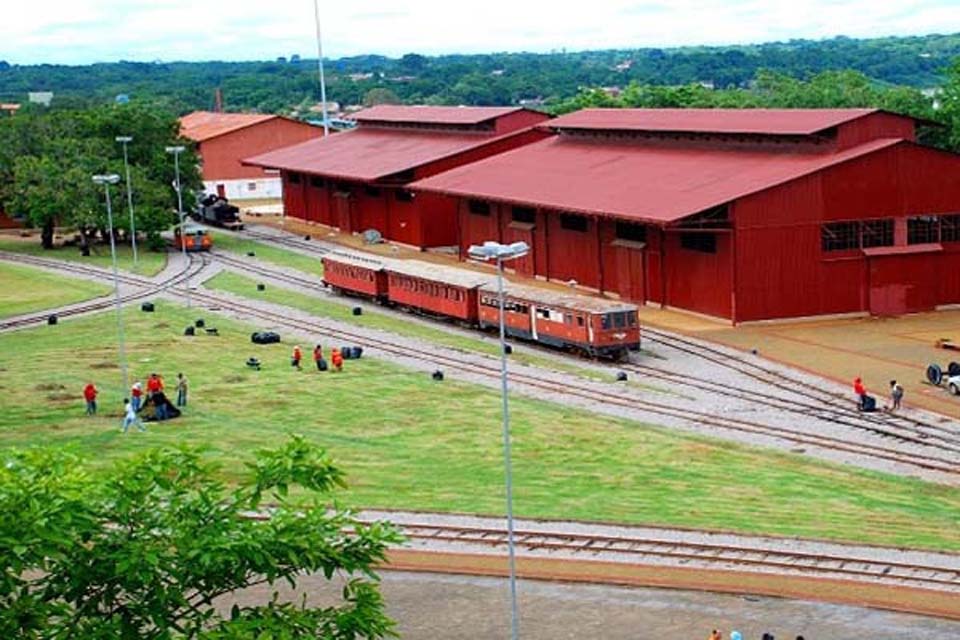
(176, 151)
(501, 252)
(124, 140)
(106, 181)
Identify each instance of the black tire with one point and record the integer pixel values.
(935, 374)
(953, 369)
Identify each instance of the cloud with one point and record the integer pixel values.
(73, 32)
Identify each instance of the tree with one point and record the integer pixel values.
(153, 547)
(380, 95)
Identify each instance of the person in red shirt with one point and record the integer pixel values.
(90, 395)
(860, 390)
(296, 358)
(336, 359)
(154, 384)
(318, 357)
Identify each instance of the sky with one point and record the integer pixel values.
(86, 31)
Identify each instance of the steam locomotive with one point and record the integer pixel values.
(212, 209)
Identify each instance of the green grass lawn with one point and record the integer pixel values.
(25, 289)
(149, 263)
(281, 257)
(407, 441)
(243, 286)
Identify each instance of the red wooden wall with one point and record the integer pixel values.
(222, 155)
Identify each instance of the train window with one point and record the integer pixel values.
(950, 228)
(404, 195)
(632, 318)
(840, 236)
(316, 182)
(605, 321)
(619, 320)
(631, 231)
(923, 229)
(293, 178)
(579, 321)
(524, 214)
(702, 242)
(478, 207)
(544, 313)
(568, 318)
(572, 222)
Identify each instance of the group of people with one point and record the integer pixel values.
(866, 402)
(154, 395)
(736, 635)
(336, 358)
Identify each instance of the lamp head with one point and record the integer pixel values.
(124, 139)
(110, 178)
(176, 149)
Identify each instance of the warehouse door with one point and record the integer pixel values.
(342, 202)
(903, 283)
(630, 274)
(521, 233)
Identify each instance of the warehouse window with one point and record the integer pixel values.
(478, 207)
(293, 178)
(840, 236)
(631, 231)
(877, 233)
(950, 228)
(702, 242)
(923, 229)
(251, 186)
(403, 195)
(316, 182)
(524, 214)
(572, 222)
(373, 192)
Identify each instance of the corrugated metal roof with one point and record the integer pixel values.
(746, 121)
(365, 260)
(368, 154)
(432, 115)
(549, 297)
(203, 125)
(643, 182)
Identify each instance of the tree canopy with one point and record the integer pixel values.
(154, 546)
(48, 158)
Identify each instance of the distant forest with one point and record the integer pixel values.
(289, 84)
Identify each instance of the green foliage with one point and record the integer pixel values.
(48, 158)
(145, 549)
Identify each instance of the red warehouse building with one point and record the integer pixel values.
(357, 180)
(223, 139)
(739, 214)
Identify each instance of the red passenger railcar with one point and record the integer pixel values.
(355, 273)
(435, 289)
(588, 325)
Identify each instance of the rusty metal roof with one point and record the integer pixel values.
(431, 115)
(369, 154)
(731, 121)
(649, 183)
(203, 125)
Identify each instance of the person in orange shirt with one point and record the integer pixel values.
(715, 635)
(336, 359)
(860, 390)
(318, 357)
(296, 357)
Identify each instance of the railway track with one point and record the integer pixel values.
(149, 287)
(793, 385)
(814, 407)
(439, 357)
(637, 549)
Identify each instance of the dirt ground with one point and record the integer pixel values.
(430, 606)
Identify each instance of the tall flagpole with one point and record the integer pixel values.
(323, 84)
